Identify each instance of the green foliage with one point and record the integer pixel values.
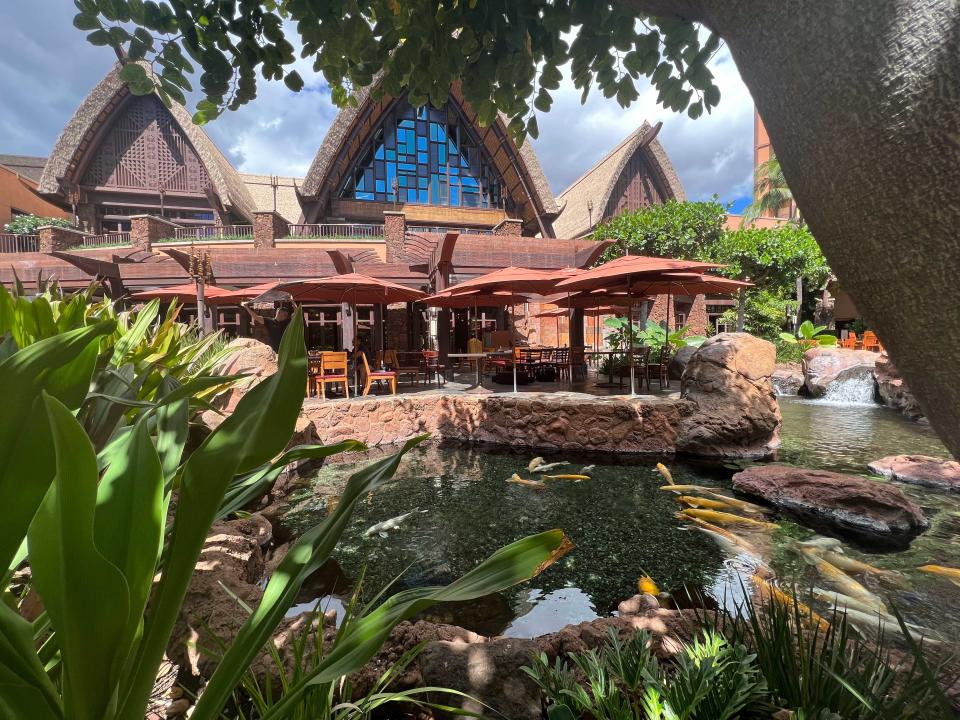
(29, 224)
(713, 679)
(675, 229)
(810, 335)
(771, 192)
(93, 440)
(773, 258)
(509, 60)
(764, 316)
(830, 671)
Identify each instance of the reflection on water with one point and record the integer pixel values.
(622, 524)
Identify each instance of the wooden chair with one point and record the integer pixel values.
(403, 365)
(333, 370)
(871, 341)
(661, 368)
(372, 376)
(313, 370)
(560, 360)
(431, 367)
(641, 365)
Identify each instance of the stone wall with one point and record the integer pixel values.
(394, 234)
(53, 238)
(267, 228)
(548, 421)
(145, 230)
(509, 227)
(396, 328)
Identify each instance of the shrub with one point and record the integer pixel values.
(29, 224)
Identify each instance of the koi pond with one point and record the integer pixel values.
(461, 509)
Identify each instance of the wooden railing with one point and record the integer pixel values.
(113, 239)
(10, 243)
(334, 231)
(207, 233)
(441, 230)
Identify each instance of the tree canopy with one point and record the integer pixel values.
(678, 229)
(507, 54)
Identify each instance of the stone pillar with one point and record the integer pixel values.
(87, 217)
(697, 318)
(267, 228)
(145, 230)
(394, 233)
(510, 227)
(59, 238)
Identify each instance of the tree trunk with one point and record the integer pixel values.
(862, 104)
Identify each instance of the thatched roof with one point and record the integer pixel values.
(598, 183)
(367, 110)
(260, 188)
(27, 166)
(77, 140)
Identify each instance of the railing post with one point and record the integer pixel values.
(267, 227)
(145, 230)
(54, 238)
(510, 227)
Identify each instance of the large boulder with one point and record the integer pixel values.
(246, 357)
(737, 413)
(850, 506)
(678, 363)
(831, 370)
(787, 378)
(919, 470)
(892, 389)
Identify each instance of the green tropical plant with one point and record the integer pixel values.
(830, 670)
(810, 335)
(29, 224)
(86, 511)
(712, 679)
(771, 193)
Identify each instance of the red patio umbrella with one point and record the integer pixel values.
(516, 280)
(626, 275)
(352, 288)
(239, 295)
(186, 292)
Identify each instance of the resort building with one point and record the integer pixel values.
(421, 196)
(19, 175)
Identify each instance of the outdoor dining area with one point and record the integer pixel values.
(360, 360)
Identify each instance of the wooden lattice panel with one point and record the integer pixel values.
(145, 149)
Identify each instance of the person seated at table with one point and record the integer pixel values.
(275, 326)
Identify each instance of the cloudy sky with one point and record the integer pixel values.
(47, 67)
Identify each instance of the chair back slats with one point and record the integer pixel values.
(333, 363)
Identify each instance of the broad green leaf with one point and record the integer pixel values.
(26, 463)
(85, 594)
(303, 558)
(145, 317)
(508, 566)
(245, 489)
(25, 689)
(172, 428)
(259, 428)
(128, 527)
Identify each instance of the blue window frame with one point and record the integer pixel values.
(425, 155)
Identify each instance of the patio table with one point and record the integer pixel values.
(610, 354)
(472, 356)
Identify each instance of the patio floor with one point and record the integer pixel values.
(464, 381)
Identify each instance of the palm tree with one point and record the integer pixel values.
(771, 193)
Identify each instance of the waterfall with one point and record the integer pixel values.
(851, 391)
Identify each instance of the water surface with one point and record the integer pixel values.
(622, 525)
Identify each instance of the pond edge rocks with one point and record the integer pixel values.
(922, 470)
(727, 408)
(851, 506)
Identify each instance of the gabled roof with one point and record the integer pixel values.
(260, 188)
(29, 166)
(362, 117)
(98, 109)
(598, 183)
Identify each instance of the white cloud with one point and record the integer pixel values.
(279, 132)
(713, 154)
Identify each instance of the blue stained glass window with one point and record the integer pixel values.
(425, 155)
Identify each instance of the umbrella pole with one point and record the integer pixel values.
(633, 387)
(513, 343)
